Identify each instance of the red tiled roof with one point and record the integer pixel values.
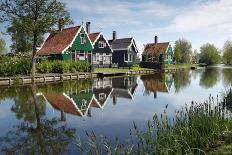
(57, 42)
(156, 48)
(93, 36)
(60, 102)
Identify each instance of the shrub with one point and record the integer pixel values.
(135, 66)
(63, 66)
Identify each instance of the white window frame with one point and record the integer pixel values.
(102, 96)
(101, 44)
(94, 57)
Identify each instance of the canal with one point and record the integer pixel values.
(45, 118)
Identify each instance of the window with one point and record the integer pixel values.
(107, 58)
(102, 96)
(130, 56)
(83, 39)
(126, 57)
(82, 56)
(94, 57)
(101, 44)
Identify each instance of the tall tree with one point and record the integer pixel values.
(22, 41)
(182, 51)
(227, 52)
(2, 46)
(209, 54)
(37, 16)
(195, 57)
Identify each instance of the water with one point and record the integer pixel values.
(43, 118)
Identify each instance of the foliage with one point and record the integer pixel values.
(181, 80)
(36, 18)
(22, 41)
(135, 66)
(2, 46)
(195, 57)
(209, 54)
(17, 65)
(227, 52)
(193, 130)
(182, 51)
(63, 66)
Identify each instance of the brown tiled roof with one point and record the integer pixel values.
(60, 102)
(155, 48)
(57, 42)
(93, 36)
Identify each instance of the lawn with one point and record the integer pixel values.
(118, 70)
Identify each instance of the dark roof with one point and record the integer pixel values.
(156, 48)
(93, 36)
(121, 93)
(120, 43)
(56, 43)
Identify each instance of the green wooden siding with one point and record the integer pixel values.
(169, 53)
(82, 47)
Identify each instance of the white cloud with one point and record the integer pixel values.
(120, 12)
(210, 15)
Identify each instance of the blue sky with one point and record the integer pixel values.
(198, 21)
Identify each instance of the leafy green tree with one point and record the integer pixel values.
(195, 57)
(2, 46)
(38, 17)
(22, 41)
(209, 54)
(182, 51)
(227, 52)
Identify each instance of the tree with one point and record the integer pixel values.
(209, 54)
(22, 41)
(182, 51)
(37, 17)
(227, 52)
(195, 57)
(2, 46)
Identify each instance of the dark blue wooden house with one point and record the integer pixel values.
(124, 51)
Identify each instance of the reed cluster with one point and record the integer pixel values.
(198, 128)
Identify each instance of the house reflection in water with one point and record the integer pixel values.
(157, 83)
(76, 103)
(123, 87)
(79, 103)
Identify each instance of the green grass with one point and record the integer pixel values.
(118, 70)
(180, 66)
(200, 128)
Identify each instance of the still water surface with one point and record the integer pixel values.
(42, 119)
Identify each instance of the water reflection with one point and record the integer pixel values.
(35, 134)
(210, 77)
(157, 83)
(181, 80)
(44, 119)
(227, 77)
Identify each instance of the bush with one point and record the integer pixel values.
(63, 66)
(135, 66)
(15, 66)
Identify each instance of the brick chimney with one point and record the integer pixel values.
(88, 27)
(114, 35)
(156, 39)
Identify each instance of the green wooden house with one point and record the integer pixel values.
(67, 44)
(158, 52)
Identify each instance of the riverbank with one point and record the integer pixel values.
(181, 66)
(54, 77)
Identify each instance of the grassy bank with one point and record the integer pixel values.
(200, 128)
(118, 70)
(181, 66)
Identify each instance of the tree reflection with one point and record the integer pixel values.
(181, 80)
(209, 77)
(227, 76)
(35, 134)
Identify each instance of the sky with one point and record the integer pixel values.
(198, 21)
